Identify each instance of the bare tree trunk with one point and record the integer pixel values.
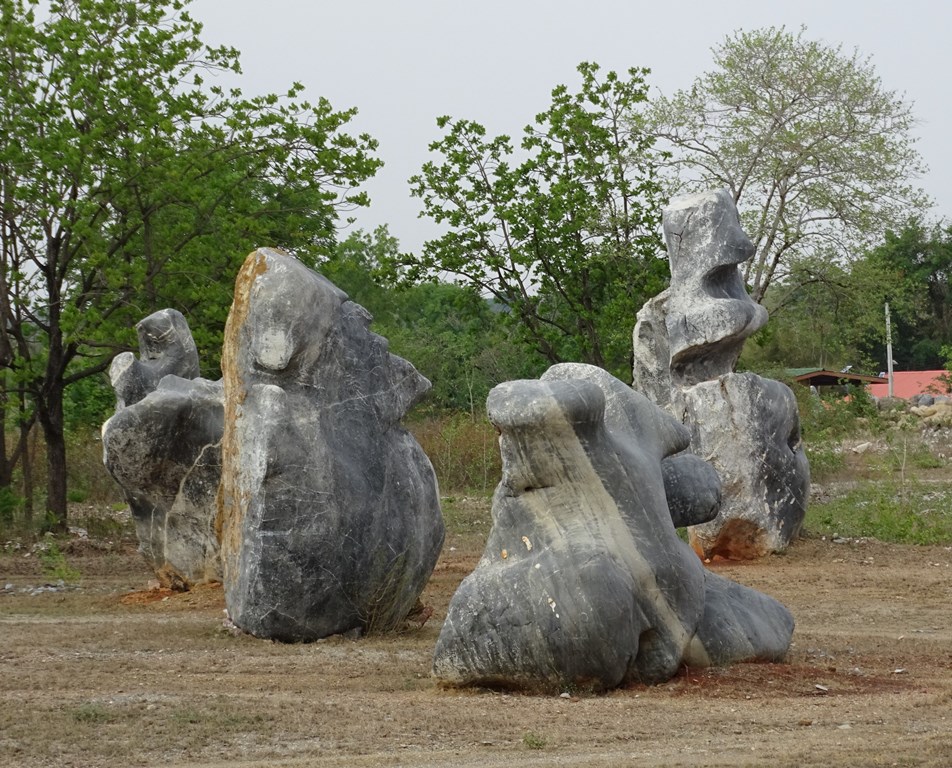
(51, 420)
(6, 470)
(28, 453)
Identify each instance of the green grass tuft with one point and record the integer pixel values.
(910, 513)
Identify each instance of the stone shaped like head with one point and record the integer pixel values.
(709, 311)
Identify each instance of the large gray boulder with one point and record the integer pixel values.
(329, 509)
(749, 429)
(163, 448)
(686, 343)
(165, 453)
(584, 582)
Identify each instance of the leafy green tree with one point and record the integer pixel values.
(829, 315)
(564, 232)
(354, 266)
(128, 184)
(918, 259)
(454, 337)
(817, 155)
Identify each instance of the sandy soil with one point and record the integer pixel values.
(111, 673)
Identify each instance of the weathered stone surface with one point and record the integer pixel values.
(749, 429)
(583, 581)
(329, 509)
(651, 371)
(709, 313)
(165, 347)
(686, 343)
(163, 447)
(693, 489)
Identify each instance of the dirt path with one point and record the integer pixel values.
(101, 676)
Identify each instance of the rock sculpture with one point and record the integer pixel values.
(686, 344)
(165, 347)
(584, 582)
(163, 447)
(329, 509)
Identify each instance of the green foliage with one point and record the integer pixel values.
(830, 315)
(826, 459)
(826, 420)
(816, 153)
(919, 261)
(562, 233)
(54, 563)
(837, 414)
(903, 513)
(91, 712)
(454, 337)
(128, 184)
(533, 740)
(88, 402)
(10, 504)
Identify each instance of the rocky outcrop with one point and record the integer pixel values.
(686, 344)
(584, 582)
(329, 509)
(163, 447)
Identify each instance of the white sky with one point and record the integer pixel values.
(404, 62)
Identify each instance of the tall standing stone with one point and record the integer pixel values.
(329, 509)
(163, 448)
(686, 344)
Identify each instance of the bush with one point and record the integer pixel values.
(10, 504)
(464, 451)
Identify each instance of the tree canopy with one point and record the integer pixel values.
(563, 232)
(818, 155)
(835, 316)
(452, 335)
(130, 183)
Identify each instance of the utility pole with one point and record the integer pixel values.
(889, 360)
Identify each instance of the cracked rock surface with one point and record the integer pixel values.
(584, 582)
(163, 447)
(329, 509)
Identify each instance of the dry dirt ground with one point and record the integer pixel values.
(110, 673)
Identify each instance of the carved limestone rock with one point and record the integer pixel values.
(686, 344)
(584, 582)
(165, 347)
(329, 508)
(749, 429)
(709, 314)
(163, 447)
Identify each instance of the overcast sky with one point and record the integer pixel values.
(404, 62)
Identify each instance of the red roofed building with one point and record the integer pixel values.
(909, 383)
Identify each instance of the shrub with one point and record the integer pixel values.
(54, 563)
(463, 448)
